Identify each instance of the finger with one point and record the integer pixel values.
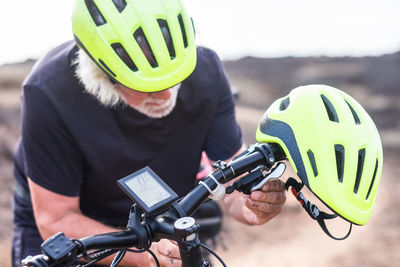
(274, 197)
(262, 208)
(261, 214)
(169, 249)
(166, 261)
(274, 185)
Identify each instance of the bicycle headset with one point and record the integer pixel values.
(144, 45)
(332, 144)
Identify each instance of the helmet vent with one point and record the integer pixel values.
(311, 158)
(144, 45)
(284, 104)
(120, 5)
(185, 42)
(339, 153)
(373, 180)
(361, 157)
(107, 68)
(167, 37)
(356, 118)
(330, 109)
(95, 13)
(123, 55)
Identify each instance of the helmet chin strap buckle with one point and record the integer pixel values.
(312, 209)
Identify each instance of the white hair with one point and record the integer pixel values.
(96, 82)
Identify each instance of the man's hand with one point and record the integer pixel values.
(167, 253)
(263, 205)
(260, 206)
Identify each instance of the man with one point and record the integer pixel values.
(136, 92)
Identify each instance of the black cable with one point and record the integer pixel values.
(93, 258)
(118, 258)
(136, 250)
(213, 253)
(100, 253)
(154, 257)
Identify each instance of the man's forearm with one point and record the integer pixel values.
(76, 225)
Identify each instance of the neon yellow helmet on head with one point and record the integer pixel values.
(332, 144)
(146, 45)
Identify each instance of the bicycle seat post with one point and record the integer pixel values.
(189, 244)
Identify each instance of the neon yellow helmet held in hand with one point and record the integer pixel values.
(332, 144)
(146, 45)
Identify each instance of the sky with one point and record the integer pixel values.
(233, 28)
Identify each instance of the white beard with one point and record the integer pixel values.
(158, 108)
(98, 84)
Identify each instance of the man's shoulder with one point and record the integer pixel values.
(206, 55)
(52, 81)
(208, 68)
(53, 66)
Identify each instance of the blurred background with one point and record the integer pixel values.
(268, 48)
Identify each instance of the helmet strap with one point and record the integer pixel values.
(312, 209)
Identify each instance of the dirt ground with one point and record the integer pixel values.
(291, 239)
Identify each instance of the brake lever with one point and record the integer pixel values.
(256, 179)
(275, 173)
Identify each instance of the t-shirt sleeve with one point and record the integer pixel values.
(224, 137)
(52, 159)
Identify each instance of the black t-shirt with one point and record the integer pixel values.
(74, 146)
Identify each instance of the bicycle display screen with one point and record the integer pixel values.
(147, 189)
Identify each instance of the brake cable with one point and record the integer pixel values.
(312, 209)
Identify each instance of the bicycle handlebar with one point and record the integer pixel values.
(114, 240)
(257, 155)
(162, 225)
